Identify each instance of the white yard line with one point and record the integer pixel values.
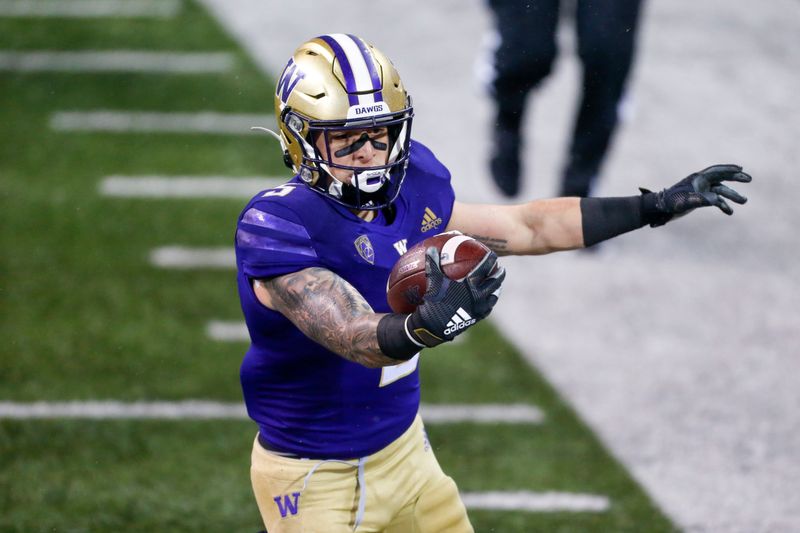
(202, 409)
(207, 122)
(433, 414)
(190, 258)
(535, 501)
(227, 331)
(89, 8)
(186, 186)
(189, 409)
(482, 413)
(117, 61)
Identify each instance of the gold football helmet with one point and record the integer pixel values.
(334, 83)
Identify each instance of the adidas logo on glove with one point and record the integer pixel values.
(459, 321)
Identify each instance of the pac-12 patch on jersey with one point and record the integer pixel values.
(365, 249)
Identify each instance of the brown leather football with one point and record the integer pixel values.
(458, 255)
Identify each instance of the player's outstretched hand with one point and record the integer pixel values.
(701, 189)
(450, 307)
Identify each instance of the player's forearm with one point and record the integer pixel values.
(359, 342)
(532, 228)
(331, 312)
(552, 225)
(569, 223)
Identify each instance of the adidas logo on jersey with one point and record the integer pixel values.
(430, 220)
(459, 321)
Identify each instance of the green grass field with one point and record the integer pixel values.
(85, 316)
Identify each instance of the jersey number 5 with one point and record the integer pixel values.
(390, 374)
(280, 190)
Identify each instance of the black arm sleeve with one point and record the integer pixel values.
(393, 339)
(604, 218)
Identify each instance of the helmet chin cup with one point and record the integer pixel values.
(370, 180)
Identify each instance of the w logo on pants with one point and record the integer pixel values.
(286, 505)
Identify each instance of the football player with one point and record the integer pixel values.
(331, 374)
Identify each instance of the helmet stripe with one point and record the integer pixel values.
(359, 68)
(347, 71)
(373, 71)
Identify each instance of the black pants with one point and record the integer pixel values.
(606, 31)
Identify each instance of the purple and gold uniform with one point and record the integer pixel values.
(308, 401)
(341, 446)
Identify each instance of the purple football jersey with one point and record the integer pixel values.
(307, 400)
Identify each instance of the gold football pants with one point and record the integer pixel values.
(400, 489)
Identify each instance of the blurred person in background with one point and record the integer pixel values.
(525, 48)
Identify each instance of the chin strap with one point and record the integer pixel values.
(336, 188)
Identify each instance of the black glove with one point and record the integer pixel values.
(450, 307)
(701, 189)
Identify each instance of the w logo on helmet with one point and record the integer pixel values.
(291, 75)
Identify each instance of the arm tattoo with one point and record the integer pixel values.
(497, 245)
(331, 312)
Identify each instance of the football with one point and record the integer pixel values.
(407, 283)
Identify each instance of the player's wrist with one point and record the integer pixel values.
(395, 338)
(654, 212)
(424, 332)
(604, 218)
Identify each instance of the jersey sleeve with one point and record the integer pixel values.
(271, 240)
(437, 182)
